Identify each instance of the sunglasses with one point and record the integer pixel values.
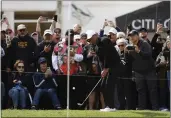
(21, 67)
(119, 37)
(120, 45)
(22, 30)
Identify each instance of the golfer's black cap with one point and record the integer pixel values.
(69, 32)
(143, 30)
(42, 60)
(133, 33)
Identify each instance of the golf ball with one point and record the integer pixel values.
(73, 88)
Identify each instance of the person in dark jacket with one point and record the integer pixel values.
(144, 68)
(45, 48)
(45, 84)
(19, 83)
(157, 42)
(163, 69)
(143, 34)
(22, 48)
(110, 62)
(125, 86)
(93, 64)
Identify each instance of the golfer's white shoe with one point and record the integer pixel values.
(107, 109)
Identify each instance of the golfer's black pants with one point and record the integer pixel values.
(126, 88)
(109, 87)
(144, 83)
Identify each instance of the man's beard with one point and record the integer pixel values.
(71, 42)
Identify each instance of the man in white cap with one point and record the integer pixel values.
(22, 48)
(111, 62)
(93, 66)
(45, 48)
(113, 35)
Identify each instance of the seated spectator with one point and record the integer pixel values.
(19, 81)
(45, 84)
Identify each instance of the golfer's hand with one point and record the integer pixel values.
(104, 72)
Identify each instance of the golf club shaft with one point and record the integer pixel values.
(91, 91)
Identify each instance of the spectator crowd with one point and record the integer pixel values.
(135, 68)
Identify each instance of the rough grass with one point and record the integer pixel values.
(82, 113)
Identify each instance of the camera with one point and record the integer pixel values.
(130, 47)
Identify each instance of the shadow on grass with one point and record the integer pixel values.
(151, 114)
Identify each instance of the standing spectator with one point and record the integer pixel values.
(45, 48)
(19, 81)
(36, 38)
(143, 34)
(22, 48)
(162, 65)
(77, 29)
(45, 84)
(4, 63)
(84, 39)
(61, 48)
(125, 86)
(111, 62)
(157, 42)
(143, 66)
(93, 67)
(73, 66)
(121, 35)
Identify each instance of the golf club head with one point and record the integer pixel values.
(79, 104)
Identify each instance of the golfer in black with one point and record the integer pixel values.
(111, 64)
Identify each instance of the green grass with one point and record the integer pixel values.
(82, 113)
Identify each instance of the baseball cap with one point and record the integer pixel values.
(113, 30)
(132, 33)
(90, 33)
(69, 32)
(48, 31)
(121, 34)
(143, 30)
(21, 26)
(122, 40)
(42, 60)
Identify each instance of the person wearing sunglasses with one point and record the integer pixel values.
(23, 48)
(18, 82)
(125, 86)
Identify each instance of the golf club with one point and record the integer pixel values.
(81, 104)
